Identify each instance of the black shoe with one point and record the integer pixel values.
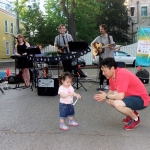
(83, 76)
(100, 89)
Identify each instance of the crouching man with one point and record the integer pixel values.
(127, 93)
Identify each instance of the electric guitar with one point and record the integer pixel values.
(100, 48)
(63, 49)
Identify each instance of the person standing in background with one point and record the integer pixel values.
(23, 63)
(61, 46)
(106, 40)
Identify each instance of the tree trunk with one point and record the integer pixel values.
(70, 16)
(72, 27)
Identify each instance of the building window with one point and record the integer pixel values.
(13, 50)
(7, 48)
(12, 28)
(144, 11)
(132, 10)
(6, 26)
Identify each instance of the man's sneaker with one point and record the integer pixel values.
(106, 87)
(63, 127)
(100, 89)
(73, 123)
(127, 119)
(132, 124)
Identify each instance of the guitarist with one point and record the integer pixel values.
(108, 51)
(61, 45)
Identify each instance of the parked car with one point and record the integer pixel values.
(119, 56)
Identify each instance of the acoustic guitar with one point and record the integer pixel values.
(100, 48)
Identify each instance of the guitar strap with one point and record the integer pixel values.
(100, 58)
(108, 38)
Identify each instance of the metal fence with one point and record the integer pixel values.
(131, 49)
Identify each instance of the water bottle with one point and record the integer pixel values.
(51, 74)
(6, 85)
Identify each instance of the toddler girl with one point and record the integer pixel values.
(66, 93)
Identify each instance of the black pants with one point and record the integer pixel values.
(101, 76)
(67, 65)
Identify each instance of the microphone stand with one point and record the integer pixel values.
(15, 57)
(77, 47)
(32, 51)
(2, 91)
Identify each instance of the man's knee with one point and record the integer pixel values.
(110, 102)
(119, 104)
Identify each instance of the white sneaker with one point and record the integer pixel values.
(63, 127)
(106, 87)
(73, 123)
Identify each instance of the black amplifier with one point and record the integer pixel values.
(48, 86)
(12, 79)
(143, 75)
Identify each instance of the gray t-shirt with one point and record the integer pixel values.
(107, 52)
(60, 42)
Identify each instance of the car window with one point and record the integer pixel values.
(122, 54)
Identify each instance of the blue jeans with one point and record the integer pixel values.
(66, 110)
(134, 102)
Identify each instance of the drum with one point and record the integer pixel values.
(34, 72)
(41, 65)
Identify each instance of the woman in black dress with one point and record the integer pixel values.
(23, 63)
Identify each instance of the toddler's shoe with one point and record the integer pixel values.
(73, 123)
(63, 127)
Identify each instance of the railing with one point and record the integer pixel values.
(131, 49)
(49, 48)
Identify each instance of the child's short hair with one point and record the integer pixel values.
(64, 75)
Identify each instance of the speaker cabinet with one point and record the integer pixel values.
(12, 79)
(47, 86)
(143, 75)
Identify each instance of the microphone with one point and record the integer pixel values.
(14, 36)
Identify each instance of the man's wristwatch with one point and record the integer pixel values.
(107, 96)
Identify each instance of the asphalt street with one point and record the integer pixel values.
(31, 122)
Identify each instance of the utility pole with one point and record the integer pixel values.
(68, 14)
(17, 18)
(137, 21)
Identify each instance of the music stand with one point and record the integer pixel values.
(33, 51)
(16, 66)
(77, 47)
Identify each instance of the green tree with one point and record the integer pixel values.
(82, 17)
(32, 20)
(86, 22)
(78, 15)
(114, 14)
(37, 28)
